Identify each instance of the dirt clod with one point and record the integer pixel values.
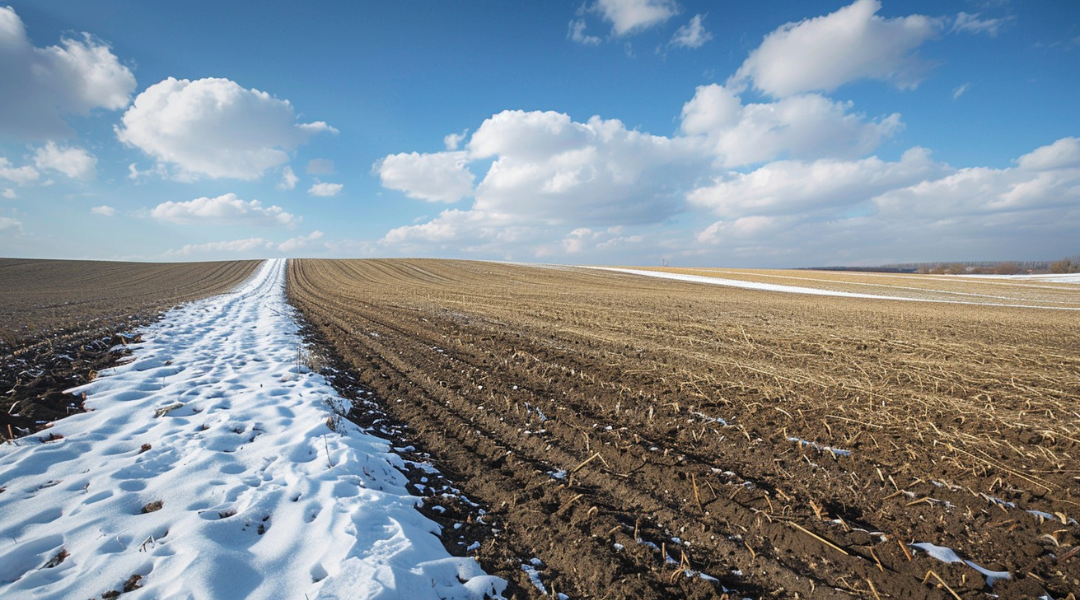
(154, 506)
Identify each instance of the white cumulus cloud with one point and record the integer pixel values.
(42, 85)
(547, 166)
(137, 175)
(584, 239)
(633, 16)
(468, 231)
(1045, 178)
(325, 190)
(248, 246)
(223, 210)
(788, 212)
(548, 175)
(9, 225)
(453, 141)
(214, 128)
(1062, 154)
(691, 35)
(103, 210)
(870, 211)
(576, 32)
(806, 126)
(20, 175)
(438, 177)
(300, 242)
(823, 53)
(74, 162)
(288, 179)
(799, 187)
(9, 194)
(744, 229)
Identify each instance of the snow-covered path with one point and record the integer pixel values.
(207, 469)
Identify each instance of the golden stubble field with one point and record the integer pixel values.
(634, 433)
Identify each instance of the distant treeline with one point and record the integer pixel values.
(1007, 267)
(885, 269)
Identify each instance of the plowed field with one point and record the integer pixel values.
(1029, 291)
(59, 319)
(635, 434)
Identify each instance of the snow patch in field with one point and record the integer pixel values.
(1043, 278)
(532, 570)
(793, 289)
(819, 447)
(948, 555)
(249, 485)
(749, 285)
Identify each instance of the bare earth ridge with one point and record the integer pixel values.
(648, 438)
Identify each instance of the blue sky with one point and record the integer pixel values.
(779, 134)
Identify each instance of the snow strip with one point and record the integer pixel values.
(890, 286)
(1073, 278)
(749, 285)
(948, 555)
(794, 289)
(211, 466)
(534, 577)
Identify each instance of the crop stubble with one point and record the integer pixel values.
(60, 319)
(949, 412)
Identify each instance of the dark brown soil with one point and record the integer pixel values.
(62, 321)
(465, 524)
(631, 433)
